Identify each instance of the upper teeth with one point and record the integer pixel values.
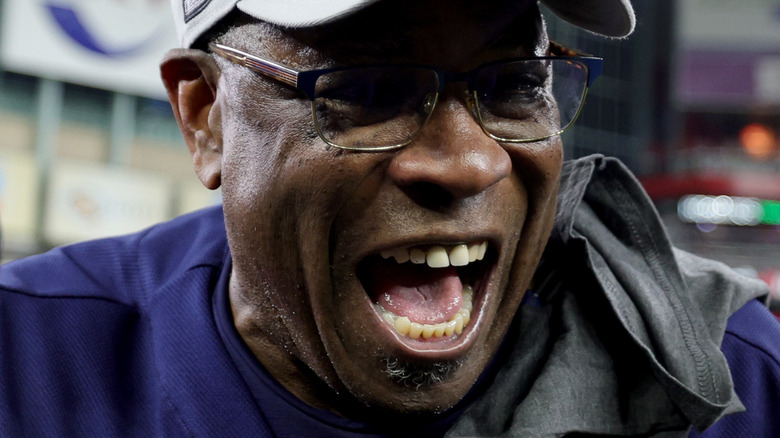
(439, 256)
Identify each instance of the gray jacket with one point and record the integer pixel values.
(624, 338)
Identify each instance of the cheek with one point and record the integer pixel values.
(264, 141)
(264, 148)
(280, 188)
(542, 184)
(281, 182)
(538, 165)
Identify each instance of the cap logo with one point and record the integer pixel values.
(193, 8)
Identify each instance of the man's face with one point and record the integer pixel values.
(309, 225)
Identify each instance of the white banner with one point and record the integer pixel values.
(90, 200)
(729, 24)
(111, 44)
(19, 193)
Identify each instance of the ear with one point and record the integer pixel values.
(190, 77)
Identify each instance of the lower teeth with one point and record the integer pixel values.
(405, 327)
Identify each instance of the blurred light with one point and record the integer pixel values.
(771, 212)
(706, 228)
(727, 210)
(758, 140)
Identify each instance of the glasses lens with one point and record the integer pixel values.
(373, 107)
(531, 99)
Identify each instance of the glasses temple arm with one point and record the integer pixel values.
(259, 65)
(595, 64)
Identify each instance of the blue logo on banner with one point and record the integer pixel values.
(73, 26)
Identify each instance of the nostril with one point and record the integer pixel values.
(429, 195)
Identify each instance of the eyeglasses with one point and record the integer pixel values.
(384, 107)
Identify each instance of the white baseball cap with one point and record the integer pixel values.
(613, 18)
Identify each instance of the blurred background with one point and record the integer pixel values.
(690, 102)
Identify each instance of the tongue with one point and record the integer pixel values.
(423, 294)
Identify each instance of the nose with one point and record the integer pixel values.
(451, 159)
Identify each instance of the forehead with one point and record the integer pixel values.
(451, 34)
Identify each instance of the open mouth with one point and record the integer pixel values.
(426, 293)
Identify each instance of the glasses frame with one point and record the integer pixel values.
(305, 81)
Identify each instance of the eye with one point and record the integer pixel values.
(514, 90)
(361, 96)
(359, 105)
(517, 86)
(515, 80)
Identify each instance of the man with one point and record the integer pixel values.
(369, 271)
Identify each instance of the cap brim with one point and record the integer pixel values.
(301, 13)
(613, 18)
